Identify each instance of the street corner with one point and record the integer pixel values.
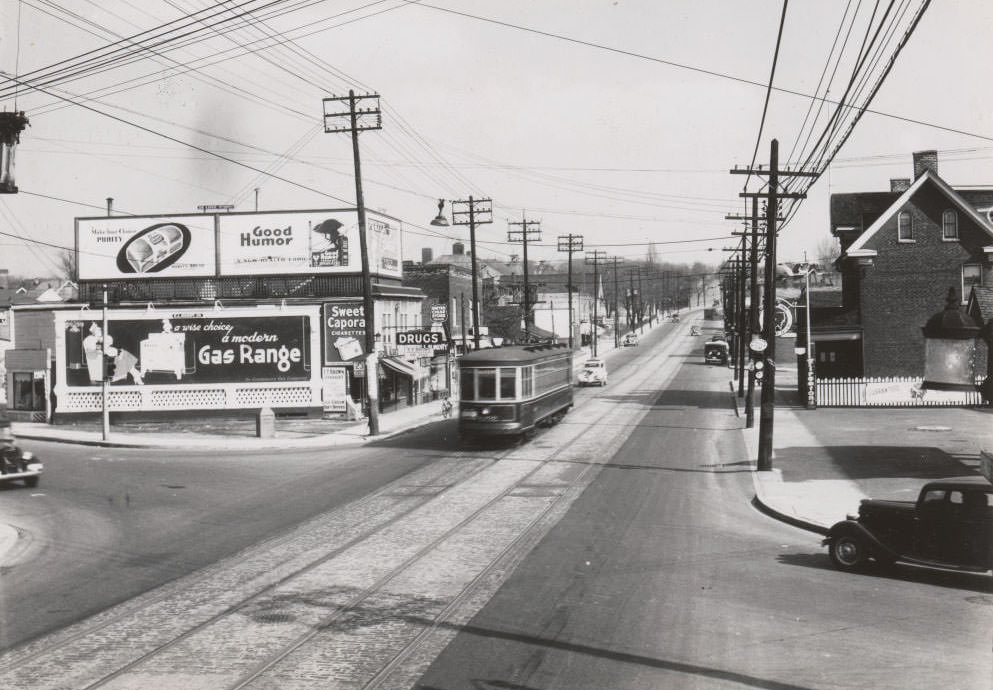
(8, 540)
(813, 505)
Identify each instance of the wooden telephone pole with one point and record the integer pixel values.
(530, 231)
(772, 196)
(570, 243)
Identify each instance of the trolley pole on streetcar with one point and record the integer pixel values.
(363, 114)
(570, 243)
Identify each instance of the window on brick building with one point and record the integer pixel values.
(972, 274)
(904, 227)
(949, 225)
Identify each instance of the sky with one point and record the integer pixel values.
(618, 120)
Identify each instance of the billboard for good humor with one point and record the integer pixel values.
(179, 246)
(301, 242)
(188, 350)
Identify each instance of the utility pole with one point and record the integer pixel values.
(473, 212)
(530, 232)
(772, 195)
(631, 313)
(570, 243)
(617, 261)
(354, 120)
(641, 302)
(596, 258)
(104, 410)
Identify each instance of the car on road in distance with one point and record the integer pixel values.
(631, 340)
(16, 464)
(715, 351)
(593, 373)
(950, 525)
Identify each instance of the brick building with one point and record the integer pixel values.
(901, 250)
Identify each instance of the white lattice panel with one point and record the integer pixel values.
(279, 397)
(124, 400)
(80, 402)
(172, 399)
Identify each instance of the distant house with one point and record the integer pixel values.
(901, 250)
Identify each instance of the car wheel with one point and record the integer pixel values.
(31, 482)
(848, 552)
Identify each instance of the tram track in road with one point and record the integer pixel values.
(394, 573)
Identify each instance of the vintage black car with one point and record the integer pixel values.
(16, 464)
(715, 351)
(950, 525)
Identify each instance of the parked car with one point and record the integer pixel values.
(631, 340)
(593, 373)
(16, 464)
(950, 525)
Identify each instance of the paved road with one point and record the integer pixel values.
(617, 550)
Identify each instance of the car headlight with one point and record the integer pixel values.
(35, 467)
(27, 456)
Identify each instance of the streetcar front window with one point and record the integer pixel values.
(508, 383)
(468, 388)
(486, 386)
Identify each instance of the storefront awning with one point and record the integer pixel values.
(400, 366)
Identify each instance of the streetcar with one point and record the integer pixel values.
(510, 391)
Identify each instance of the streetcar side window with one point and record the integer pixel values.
(486, 386)
(508, 383)
(551, 375)
(468, 378)
(527, 382)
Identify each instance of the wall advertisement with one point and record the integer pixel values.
(344, 331)
(145, 247)
(187, 349)
(295, 242)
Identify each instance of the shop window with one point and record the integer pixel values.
(29, 392)
(904, 227)
(949, 225)
(972, 274)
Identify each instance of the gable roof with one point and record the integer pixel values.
(980, 305)
(858, 248)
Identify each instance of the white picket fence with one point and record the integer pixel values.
(890, 392)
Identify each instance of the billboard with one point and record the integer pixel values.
(344, 331)
(190, 349)
(306, 242)
(179, 246)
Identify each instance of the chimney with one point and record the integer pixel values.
(458, 249)
(899, 184)
(925, 160)
(426, 255)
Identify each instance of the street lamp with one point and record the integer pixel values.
(440, 220)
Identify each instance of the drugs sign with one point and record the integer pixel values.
(422, 338)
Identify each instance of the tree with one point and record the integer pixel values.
(67, 265)
(827, 251)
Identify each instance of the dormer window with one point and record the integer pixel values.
(904, 227)
(949, 225)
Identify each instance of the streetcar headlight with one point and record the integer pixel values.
(484, 411)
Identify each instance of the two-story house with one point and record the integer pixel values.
(901, 251)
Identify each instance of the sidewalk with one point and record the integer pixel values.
(240, 434)
(826, 460)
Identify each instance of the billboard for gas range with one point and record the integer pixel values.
(187, 348)
(230, 244)
(306, 242)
